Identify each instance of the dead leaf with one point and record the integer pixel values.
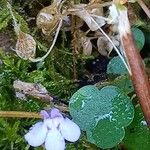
(87, 45)
(82, 11)
(32, 89)
(25, 46)
(105, 47)
(83, 14)
(49, 17)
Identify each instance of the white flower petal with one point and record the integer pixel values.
(49, 123)
(54, 140)
(57, 121)
(37, 134)
(70, 131)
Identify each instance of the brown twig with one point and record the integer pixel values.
(144, 7)
(138, 75)
(21, 114)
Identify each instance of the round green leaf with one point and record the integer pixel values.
(139, 37)
(116, 67)
(83, 106)
(103, 114)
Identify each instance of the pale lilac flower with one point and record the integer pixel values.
(53, 131)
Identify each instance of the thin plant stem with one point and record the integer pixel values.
(16, 25)
(74, 47)
(116, 49)
(101, 17)
(19, 114)
(51, 47)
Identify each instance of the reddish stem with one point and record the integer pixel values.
(139, 77)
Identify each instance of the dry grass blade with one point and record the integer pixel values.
(19, 114)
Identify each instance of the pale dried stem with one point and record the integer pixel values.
(51, 47)
(15, 24)
(116, 49)
(101, 17)
(144, 7)
(21, 114)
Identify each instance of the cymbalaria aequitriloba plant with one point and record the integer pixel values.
(50, 20)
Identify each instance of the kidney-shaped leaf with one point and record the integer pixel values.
(103, 114)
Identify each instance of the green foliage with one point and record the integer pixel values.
(116, 66)
(139, 37)
(14, 68)
(21, 21)
(103, 114)
(3, 3)
(52, 74)
(137, 134)
(4, 18)
(9, 134)
(124, 83)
